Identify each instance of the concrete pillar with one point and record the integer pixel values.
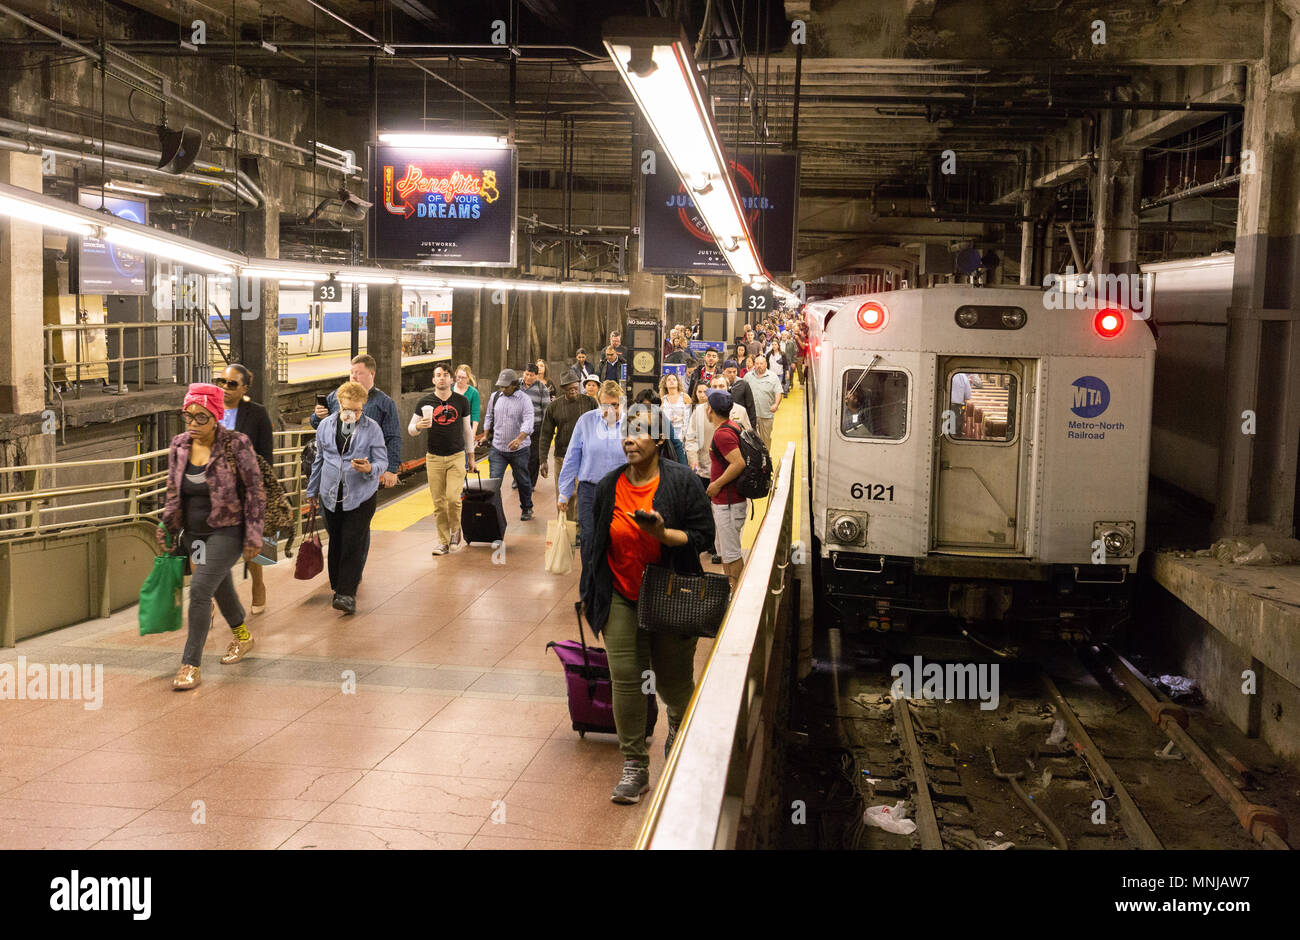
(646, 294)
(384, 335)
(716, 313)
(255, 342)
(1257, 472)
(22, 346)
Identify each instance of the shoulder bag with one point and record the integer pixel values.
(311, 560)
(682, 604)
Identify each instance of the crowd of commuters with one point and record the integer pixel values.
(674, 453)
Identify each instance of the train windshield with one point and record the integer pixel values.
(984, 406)
(875, 404)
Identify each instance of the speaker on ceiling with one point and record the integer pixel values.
(178, 149)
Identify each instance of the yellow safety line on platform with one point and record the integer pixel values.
(406, 511)
(787, 427)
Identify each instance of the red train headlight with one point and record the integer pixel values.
(1108, 323)
(872, 316)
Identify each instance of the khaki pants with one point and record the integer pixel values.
(764, 430)
(446, 480)
(571, 513)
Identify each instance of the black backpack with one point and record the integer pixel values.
(755, 481)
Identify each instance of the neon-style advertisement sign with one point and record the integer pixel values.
(445, 206)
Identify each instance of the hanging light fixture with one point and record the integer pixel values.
(656, 61)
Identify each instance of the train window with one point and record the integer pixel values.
(874, 404)
(984, 404)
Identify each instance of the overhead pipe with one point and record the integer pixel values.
(1203, 189)
(123, 150)
(27, 146)
(135, 80)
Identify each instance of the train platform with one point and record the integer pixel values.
(1238, 618)
(335, 365)
(434, 718)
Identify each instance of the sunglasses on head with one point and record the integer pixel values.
(196, 417)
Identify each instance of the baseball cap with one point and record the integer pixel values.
(720, 401)
(730, 364)
(507, 377)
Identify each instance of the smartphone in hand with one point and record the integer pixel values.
(323, 401)
(642, 516)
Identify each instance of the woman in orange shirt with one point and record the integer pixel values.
(676, 525)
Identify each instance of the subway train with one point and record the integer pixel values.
(978, 461)
(309, 327)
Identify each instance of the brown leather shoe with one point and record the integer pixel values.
(236, 651)
(187, 677)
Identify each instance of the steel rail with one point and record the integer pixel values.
(1130, 816)
(927, 824)
(1266, 825)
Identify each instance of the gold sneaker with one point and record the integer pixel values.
(236, 651)
(187, 677)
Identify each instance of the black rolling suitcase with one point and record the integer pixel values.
(482, 517)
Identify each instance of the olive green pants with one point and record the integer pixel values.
(637, 658)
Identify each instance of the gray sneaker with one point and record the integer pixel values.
(455, 540)
(634, 782)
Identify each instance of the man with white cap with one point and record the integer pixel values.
(509, 418)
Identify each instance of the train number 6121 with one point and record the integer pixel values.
(876, 491)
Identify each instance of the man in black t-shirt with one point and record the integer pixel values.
(444, 414)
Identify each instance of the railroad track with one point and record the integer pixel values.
(1117, 777)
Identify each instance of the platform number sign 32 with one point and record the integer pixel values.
(755, 300)
(328, 291)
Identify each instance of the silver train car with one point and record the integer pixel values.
(979, 460)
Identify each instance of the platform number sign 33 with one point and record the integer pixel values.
(328, 291)
(756, 300)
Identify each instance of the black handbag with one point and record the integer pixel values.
(682, 604)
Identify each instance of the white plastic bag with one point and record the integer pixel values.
(890, 818)
(559, 546)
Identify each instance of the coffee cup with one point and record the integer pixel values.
(428, 412)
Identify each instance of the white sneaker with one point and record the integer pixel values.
(440, 549)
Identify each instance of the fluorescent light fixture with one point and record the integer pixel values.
(270, 46)
(40, 214)
(654, 57)
(675, 296)
(447, 141)
(165, 248)
(283, 274)
(388, 50)
(115, 186)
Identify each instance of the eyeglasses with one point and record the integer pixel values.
(228, 383)
(196, 417)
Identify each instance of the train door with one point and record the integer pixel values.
(979, 504)
(315, 328)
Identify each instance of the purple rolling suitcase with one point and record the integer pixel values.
(586, 674)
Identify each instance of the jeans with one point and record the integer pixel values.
(517, 460)
(446, 479)
(221, 549)
(349, 533)
(585, 498)
(571, 511)
(631, 653)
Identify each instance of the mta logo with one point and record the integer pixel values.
(1091, 396)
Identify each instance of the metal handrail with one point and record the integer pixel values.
(72, 367)
(711, 777)
(141, 492)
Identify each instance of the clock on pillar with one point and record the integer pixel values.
(644, 351)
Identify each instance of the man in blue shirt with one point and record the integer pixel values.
(509, 418)
(378, 406)
(595, 448)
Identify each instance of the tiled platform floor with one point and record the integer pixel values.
(457, 736)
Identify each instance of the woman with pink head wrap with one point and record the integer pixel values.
(216, 503)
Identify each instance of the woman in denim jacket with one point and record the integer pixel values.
(351, 456)
(214, 495)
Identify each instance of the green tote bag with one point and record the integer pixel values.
(160, 595)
